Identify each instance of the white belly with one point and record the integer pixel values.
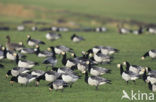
(1, 57)
(69, 64)
(67, 78)
(94, 72)
(10, 56)
(81, 68)
(58, 51)
(22, 80)
(50, 78)
(92, 82)
(97, 58)
(75, 39)
(14, 73)
(58, 87)
(95, 50)
(152, 55)
(30, 43)
(125, 76)
(24, 64)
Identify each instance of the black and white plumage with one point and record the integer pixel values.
(11, 55)
(101, 29)
(134, 68)
(127, 75)
(49, 76)
(33, 42)
(122, 30)
(53, 36)
(96, 80)
(138, 31)
(150, 53)
(148, 77)
(76, 38)
(59, 49)
(63, 70)
(152, 87)
(38, 73)
(58, 85)
(69, 78)
(23, 79)
(150, 71)
(82, 66)
(97, 71)
(16, 71)
(40, 53)
(151, 30)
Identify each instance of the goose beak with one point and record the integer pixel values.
(118, 65)
(11, 82)
(142, 58)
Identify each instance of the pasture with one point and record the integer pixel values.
(131, 47)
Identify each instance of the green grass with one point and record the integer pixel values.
(131, 49)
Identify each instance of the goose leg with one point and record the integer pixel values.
(96, 87)
(134, 82)
(127, 82)
(71, 85)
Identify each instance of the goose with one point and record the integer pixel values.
(1, 66)
(137, 32)
(96, 80)
(63, 70)
(123, 30)
(11, 55)
(127, 75)
(83, 66)
(33, 42)
(151, 30)
(23, 79)
(134, 68)
(150, 53)
(49, 76)
(13, 46)
(42, 53)
(53, 36)
(69, 63)
(101, 29)
(76, 38)
(69, 78)
(20, 28)
(97, 71)
(108, 50)
(34, 28)
(58, 85)
(3, 52)
(101, 58)
(25, 63)
(38, 73)
(149, 78)
(152, 87)
(59, 49)
(16, 71)
(27, 51)
(150, 71)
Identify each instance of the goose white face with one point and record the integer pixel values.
(124, 63)
(35, 49)
(28, 36)
(49, 49)
(20, 43)
(118, 65)
(142, 58)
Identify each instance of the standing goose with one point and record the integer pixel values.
(150, 53)
(42, 53)
(27, 51)
(63, 70)
(13, 46)
(149, 78)
(134, 68)
(127, 75)
(83, 66)
(53, 36)
(69, 78)
(49, 76)
(25, 63)
(16, 71)
(58, 85)
(59, 49)
(75, 38)
(33, 42)
(96, 80)
(23, 79)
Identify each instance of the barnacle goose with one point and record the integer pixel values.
(75, 38)
(150, 53)
(33, 42)
(53, 36)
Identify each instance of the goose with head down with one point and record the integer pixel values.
(150, 53)
(33, 42)
(53, 36)
(75, 38)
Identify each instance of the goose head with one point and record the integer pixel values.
(12, 80)
(8, 73)
(28, 36)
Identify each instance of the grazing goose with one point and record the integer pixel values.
(23, 79)
(101, 58)
(134, 68)
(69, 78)
(151, 53)
(13, 46)
(127, 75)
(16, 71)
(137, 32)
(150, 71)
(101, 29)
(152, 87)
(3, 52)
(42, 53)
(96, 80)
(149, 78)
(96, 71)
(33, 42)
(34, 28)
(76, 38)
(27, 51)
(59, 49)
(1, 66)
(53, 36)
(49, 76)
(58, 85)
(25, 63)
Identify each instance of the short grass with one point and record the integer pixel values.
(131, 48)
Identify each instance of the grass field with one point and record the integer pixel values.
(131, 47)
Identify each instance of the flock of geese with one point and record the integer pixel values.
(67, 75)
